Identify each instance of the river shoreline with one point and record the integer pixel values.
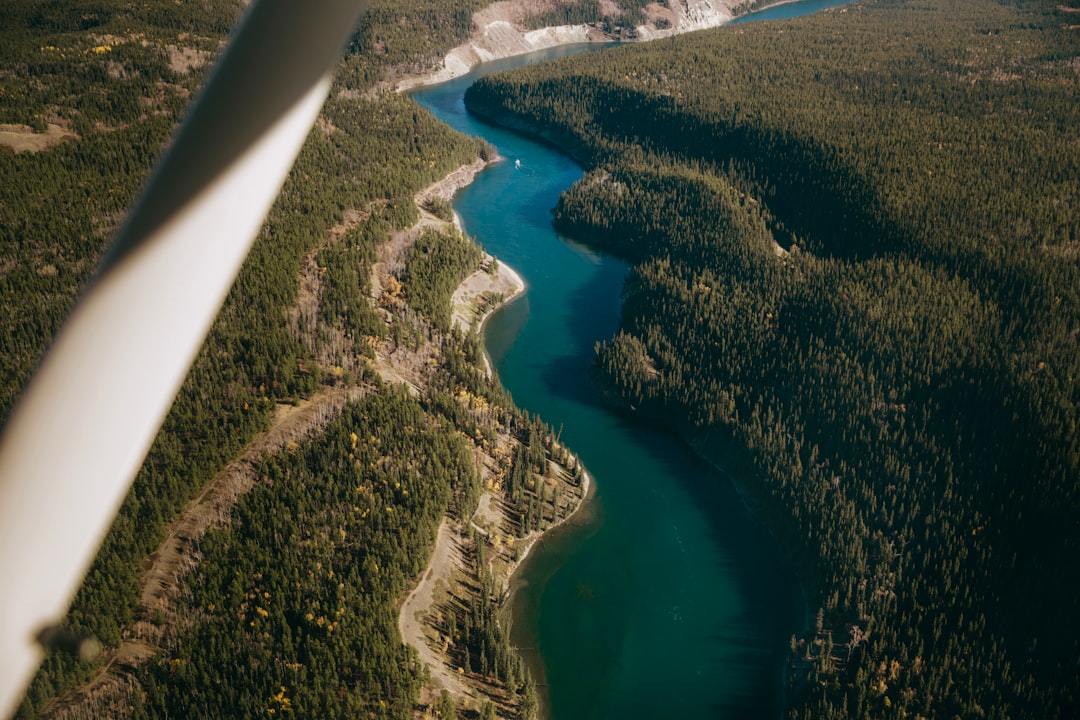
(476, 299)
(522, 634)
(471, 302)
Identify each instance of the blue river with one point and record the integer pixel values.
(664, 598)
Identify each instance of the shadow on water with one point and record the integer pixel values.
(511, 321)
(772, 603)
(595, 609)
(541, 203)
(568, 375)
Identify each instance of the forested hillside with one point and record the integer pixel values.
(111, 79)
(855, 241)
(298, 596)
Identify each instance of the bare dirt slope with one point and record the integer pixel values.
(500, 32)
(22, 138)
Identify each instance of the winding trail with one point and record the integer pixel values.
(412, 619)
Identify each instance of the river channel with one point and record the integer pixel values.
(665, 599)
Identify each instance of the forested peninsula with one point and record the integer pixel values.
(854, 240)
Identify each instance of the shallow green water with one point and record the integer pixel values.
(666, 599)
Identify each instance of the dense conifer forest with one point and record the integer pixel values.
(901, 372)
(854, 240)
(115, 76)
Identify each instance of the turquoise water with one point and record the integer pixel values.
(790, 10)
(664, 599)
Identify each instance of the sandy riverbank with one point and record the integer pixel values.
(476, 299)
(482, 293)
(422, 615)
(587, 493)
(448, 578)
